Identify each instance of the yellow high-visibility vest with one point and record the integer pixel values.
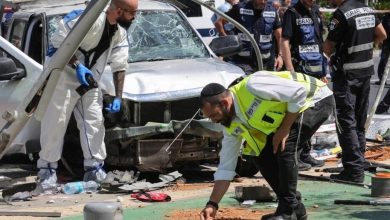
(264, 116)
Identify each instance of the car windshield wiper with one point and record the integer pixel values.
(159, 59)
(151, 59)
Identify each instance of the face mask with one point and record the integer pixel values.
(123, 23)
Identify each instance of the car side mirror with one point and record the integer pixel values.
(226, 46)
(9, 71)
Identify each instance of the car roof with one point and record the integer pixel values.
(54, 7)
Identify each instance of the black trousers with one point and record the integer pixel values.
(280, 170)
(383, 61)
(351, 97)
(304, 148)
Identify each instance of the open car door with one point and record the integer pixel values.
(17, 117)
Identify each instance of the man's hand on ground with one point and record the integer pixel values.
(208, 213)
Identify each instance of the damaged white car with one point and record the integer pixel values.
(169, 64)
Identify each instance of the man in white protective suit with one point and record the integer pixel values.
(106, 42)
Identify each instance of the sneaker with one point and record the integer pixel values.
(313, 162)
(303, 166)
(47, 180)
(345, 176)
(96, 174)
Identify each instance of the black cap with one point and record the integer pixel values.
(212, 89)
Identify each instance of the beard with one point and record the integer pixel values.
(123, 23)
(227, 118)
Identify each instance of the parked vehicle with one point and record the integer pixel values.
(200, 17)
(168, 66)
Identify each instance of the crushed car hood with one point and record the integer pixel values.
(170, 80)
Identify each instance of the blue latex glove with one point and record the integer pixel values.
(82, 72)
(115, 106)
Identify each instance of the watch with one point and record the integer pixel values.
(75, 64)
(214, 204)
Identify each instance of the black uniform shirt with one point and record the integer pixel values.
(338, 26)
(290, 29)
(346, 36)
(235, 14)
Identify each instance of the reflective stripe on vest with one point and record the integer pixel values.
(311, 84)
(358, 65)
(361, 47)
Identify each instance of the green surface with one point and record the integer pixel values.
(322, 194)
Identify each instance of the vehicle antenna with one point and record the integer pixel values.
(177, 136)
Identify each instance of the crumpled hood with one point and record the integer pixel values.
(170, 80)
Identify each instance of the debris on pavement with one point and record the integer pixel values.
(248, 203)
(19, 196)
(118, 178)
(151, 197)
(363, 202)
(257, 193)
(147, 186)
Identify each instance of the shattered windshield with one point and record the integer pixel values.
(163, 35)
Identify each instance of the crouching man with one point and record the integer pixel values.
(274, 112)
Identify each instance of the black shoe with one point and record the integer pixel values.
(333, 170)
(369, 167)
(313, 162)
(345, 176)
(382, 108)
(267, 216)
(300, 212)
(303, 166)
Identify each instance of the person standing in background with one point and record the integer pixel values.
(301, 49)
(384, 105)
(353, 30)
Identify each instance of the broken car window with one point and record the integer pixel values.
(163, 35)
